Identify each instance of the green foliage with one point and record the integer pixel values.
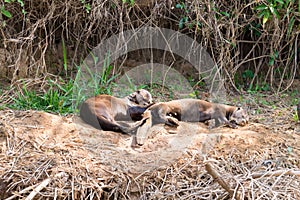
(64, 55)
(296, 117)
(5, 12)
(87, 6)
(130, 2)
(248, 74)
(254, 28)
(220, 14)
(269, 8)
(273, 57)
(101, 83)
(65, 96)
(279, 9)
(247, 77)
(184, 19)
(56, 99)
(258, 88)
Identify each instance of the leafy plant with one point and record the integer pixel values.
(184, 18)
(130, 2)
(87, 6)
(268, 9)
(296, 117)
(64, 55)
(5, 12)
(65, 96)
(258, 88)
(58, 98)
(273, 57)
(248, 74)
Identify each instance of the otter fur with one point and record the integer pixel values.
(190, 110)
(107, 112)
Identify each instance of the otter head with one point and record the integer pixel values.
(141, 97)
(240, 116)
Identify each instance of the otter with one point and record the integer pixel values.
(106, 112)
(190, 110)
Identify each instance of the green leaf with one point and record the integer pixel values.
(275, 12)
(225, 14)
(180, 6)
(261, 7)
(87, 7)
(21, 3)
(248, 74)
(276, 54)
(271, 61)
(279, 1)
(181, 23)
(291, 25)
(7, 1)
(64, 55)
(266, 17)
(6, 12)
(261, 14)
(272, 9)
(185, 19)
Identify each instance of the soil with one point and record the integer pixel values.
(163, 147)
(271, 137)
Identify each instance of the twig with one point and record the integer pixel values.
(42, 185)
(37, 189)
(21, 192)
(276, 173)
(209, 168)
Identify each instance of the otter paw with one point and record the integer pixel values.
(171, 121)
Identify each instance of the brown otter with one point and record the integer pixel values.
(103, 111)
(190, 110)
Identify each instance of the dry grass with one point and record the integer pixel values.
(43, 156)
(32, 46)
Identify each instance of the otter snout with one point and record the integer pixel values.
(242, 122)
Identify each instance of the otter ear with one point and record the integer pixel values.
(133, 95)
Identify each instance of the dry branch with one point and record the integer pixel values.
(36, 188)
(209, 168)
(276, 173)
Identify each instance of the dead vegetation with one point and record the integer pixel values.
(44, 156)
(54, 36)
